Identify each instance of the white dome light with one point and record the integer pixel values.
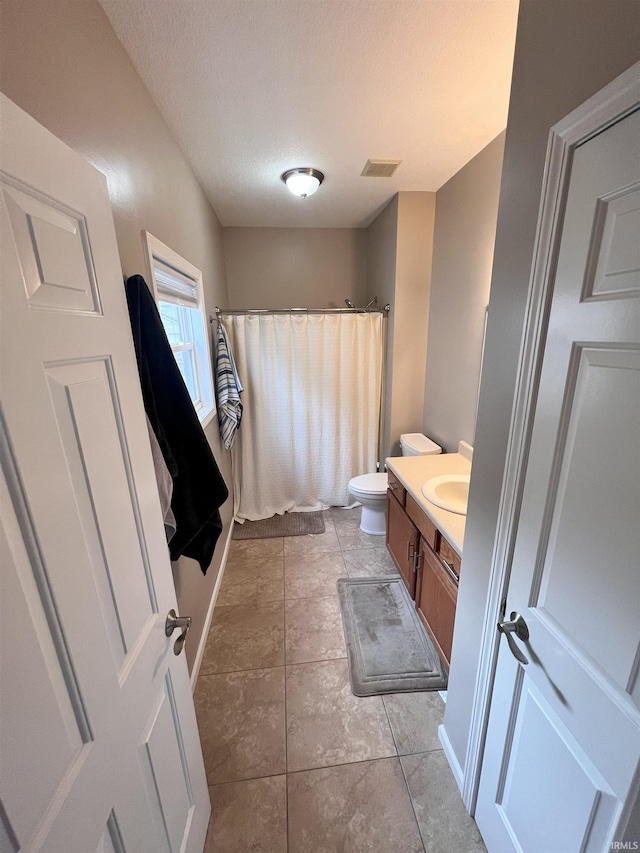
(302, 182)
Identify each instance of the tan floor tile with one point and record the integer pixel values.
(241, 719)
(351, 538)
(314, 629)
(414, 719)
(254, 581)
(253, 550)
(369, 563)
(245, 637)
(248, 817)
(340, 514)
(312, 543)
(345, 792)
(444, 822)
(311, 575)
(327, 724)
(354, 808)
(346, 517)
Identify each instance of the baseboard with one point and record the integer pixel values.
(451, 757)
(207, 622)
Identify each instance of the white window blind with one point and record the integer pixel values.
(171, 282)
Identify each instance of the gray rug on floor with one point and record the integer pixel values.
(289, 524)
(388, 648)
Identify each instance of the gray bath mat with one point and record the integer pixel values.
(388, 648)
(289, 524)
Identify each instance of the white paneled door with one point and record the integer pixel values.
(99, 746)
(563, 739)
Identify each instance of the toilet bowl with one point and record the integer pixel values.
(371, 491)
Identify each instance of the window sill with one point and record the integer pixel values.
(206, 418)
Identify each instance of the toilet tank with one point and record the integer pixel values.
(417, 444)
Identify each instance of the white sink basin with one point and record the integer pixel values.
(450, 491)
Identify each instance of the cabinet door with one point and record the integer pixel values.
(402, 542)
(437, 601)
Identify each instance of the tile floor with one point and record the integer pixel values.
(295, 762)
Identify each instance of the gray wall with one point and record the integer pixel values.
(295, 267)
(411, 306)
(465, 230)
(399, 254)
(62, 63)
(566, 51)
(381, 282)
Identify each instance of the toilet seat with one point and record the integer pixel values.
(371, 485)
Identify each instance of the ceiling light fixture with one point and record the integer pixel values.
(302, 182)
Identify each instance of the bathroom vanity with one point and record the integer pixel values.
(425, 540)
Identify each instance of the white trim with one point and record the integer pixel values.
(155, 248)
(197, 663)
(206, 419)
(451, 757)
(609, 105)
(173, 259)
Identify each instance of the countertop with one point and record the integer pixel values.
(412, 471)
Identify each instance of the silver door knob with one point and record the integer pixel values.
(516, 625)
(174, 621)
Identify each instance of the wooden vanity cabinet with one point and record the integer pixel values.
(449, 557)
(436, 599)
(427, 563)
(427, 528)
(402, 539)
(395, 488)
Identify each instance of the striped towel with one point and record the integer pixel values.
(228, 389)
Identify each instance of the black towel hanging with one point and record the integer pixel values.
(198, 487)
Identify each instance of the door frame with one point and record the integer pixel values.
(606, 107)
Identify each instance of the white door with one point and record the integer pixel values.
(99, 743)
(563, 738)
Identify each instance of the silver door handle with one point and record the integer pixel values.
(174, 621)
(517, 626)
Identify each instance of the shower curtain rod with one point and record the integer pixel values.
(220, 311)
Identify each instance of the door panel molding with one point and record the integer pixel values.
(87, 412)
(37, 221)
(43, 584)
(613, 103)
(609, 209)
(511, 727)
(537, 729)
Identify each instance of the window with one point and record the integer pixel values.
(177, 287)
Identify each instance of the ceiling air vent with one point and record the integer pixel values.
(380, 168)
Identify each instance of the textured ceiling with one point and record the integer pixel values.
(251, 88)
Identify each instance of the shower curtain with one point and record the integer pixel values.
(311, 408)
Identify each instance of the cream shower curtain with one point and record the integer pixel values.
(311, 408)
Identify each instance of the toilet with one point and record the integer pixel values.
(371, 489)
